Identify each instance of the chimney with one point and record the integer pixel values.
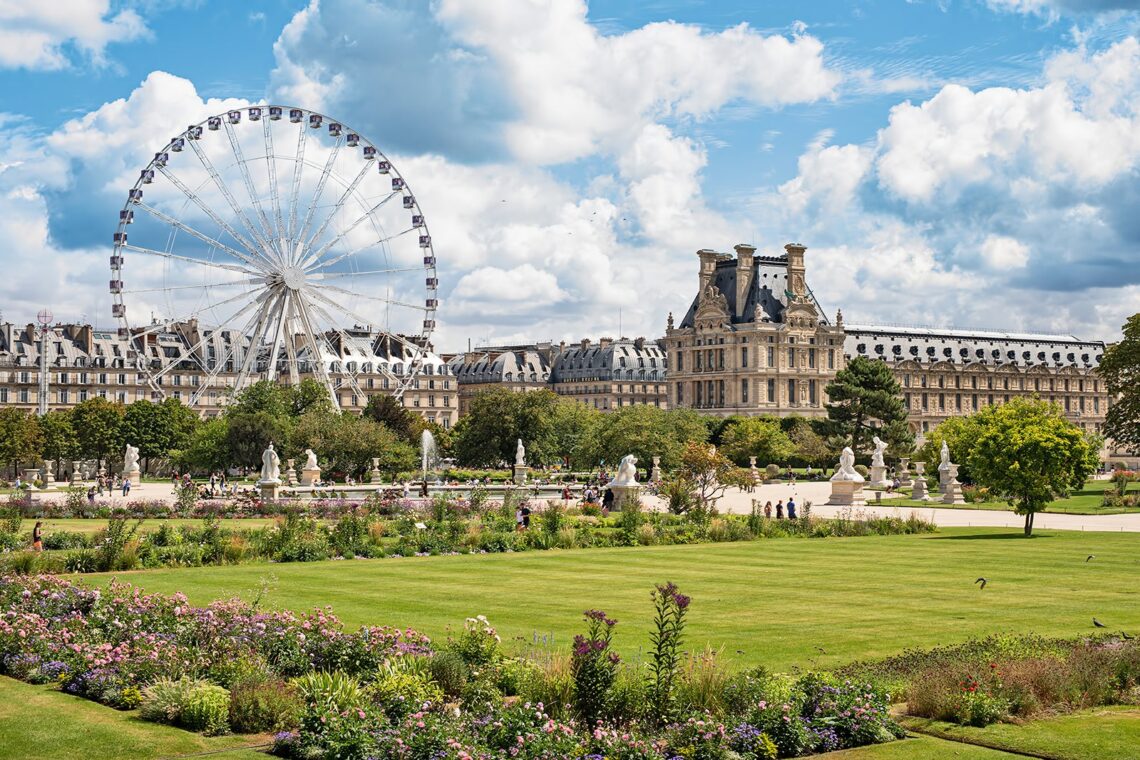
(745, 271)
(797, 285)
(87, 338)
(585, 343)
(604, 342)
(708, 268)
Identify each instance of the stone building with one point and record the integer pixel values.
(85, 362)
(516, 368)
(945, 373)
(755, 340)
(611, 373)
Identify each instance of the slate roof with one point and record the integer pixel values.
(931, 344)
(766, 299)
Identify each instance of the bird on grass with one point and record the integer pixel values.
(1126, 636)
(1099, 624)
(982, 581)
(1090, 557)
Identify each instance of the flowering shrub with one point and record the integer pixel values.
(478, 645)
(594, 667)
(697, 739)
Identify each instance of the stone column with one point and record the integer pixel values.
(879, 476)
(31, 476)
(919, 492)
(518, 473)
(270, 489)
(753, 471)
(847, 493)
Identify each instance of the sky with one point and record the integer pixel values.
(964, 163)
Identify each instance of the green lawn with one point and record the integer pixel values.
(38, 723)
(919, 748)
(91, 525)
(1087, 501)
(779, 602)
(1087, 735)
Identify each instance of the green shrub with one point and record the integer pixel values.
(449, 672)
(400, 690)
(337, 691)
(195, 705)
(258, 705)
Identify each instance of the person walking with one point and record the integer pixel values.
(791, 508)
(38, 537)
(518, 519)
(780, 509)
(768, 510)
(525, 517)
(101, 482)
(126, 487)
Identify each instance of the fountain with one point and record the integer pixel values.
(428, 454)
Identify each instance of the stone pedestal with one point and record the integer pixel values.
(135, 476)
(270, 489)
(49, 474)
(879, 476)
(949, 486)
(309, 477)
(905, 480)
(655, 473)
(374, 474)
(518, 473)
(919, 492)
(76, 474)
(290, 473)
(102, 471)
(624, 495)
(847, 493)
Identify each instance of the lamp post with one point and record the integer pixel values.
(44, 318)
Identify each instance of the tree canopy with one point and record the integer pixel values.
(497, 419)
(864, 400)
(1027, 451)
(1120, 368)
(645, 431)
(388, 411)
(760, 437)
(19, 436)
(98, 428)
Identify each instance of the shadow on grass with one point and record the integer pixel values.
(991, 536)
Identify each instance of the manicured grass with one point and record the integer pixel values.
(1087, 501)
(924, 747)
(1087, 735)
(779, 601)
(39, 723)
(92, 525)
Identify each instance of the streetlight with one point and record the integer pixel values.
(44, 317)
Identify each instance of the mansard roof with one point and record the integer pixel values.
(767, 296)
(928, 345)
(611, 360)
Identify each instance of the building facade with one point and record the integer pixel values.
(946, 373)
(86, 362)
(755, 340)
(516, 368)
(611, 373)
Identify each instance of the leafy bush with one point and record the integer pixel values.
(594, 667)
(334, 690)
(264, 704)
(400, 690)
(450, 672)
(478, 645)
(194, 705)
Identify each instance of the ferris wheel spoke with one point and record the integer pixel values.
(189, 259)
(348, 191)
(345, 339)
(235, 145)
(249, 247)
(219, 366)
(321, 276)
(225, 191)
(249, 362)
(251, 281)
(378, 299)
(278, 334)
(291, 346)
(304, 231)
(315, 256)
(295, 192)
(318, 363)
(271, 169)
(188, 352)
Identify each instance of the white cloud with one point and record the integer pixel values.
(1002, 252)
(36, 34)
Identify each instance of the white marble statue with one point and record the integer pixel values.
(520, 455)
(131, 459)
(877, 457)
(945, 463)
(310, 460)
(270, 466)
(627, 472)
(846, 470)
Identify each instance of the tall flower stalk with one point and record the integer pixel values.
(670, 607)
(594, 667)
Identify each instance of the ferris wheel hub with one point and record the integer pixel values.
(293, 277)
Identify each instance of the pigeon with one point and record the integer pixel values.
(982, 581)
(822, 650)
(1099, 624)
(1090, 557)
(1126, 636)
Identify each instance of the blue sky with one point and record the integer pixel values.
(963, 162)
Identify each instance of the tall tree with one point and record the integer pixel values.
(646, 432)
(347, 443)
(865, 400)
(98, 426)
(961, 437)
(497, 419)
(1120, 368)
(1027, 451)
(249, 433)
(59, 442)
(573, 425)
(158, 429)
(388, 411)
(19, 437)
(758, 437)
(207, 448)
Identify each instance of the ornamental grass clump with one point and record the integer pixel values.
(193, 704)
(594, 667)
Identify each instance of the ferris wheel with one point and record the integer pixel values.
(272, 242)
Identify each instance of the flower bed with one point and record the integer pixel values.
(382, 692)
